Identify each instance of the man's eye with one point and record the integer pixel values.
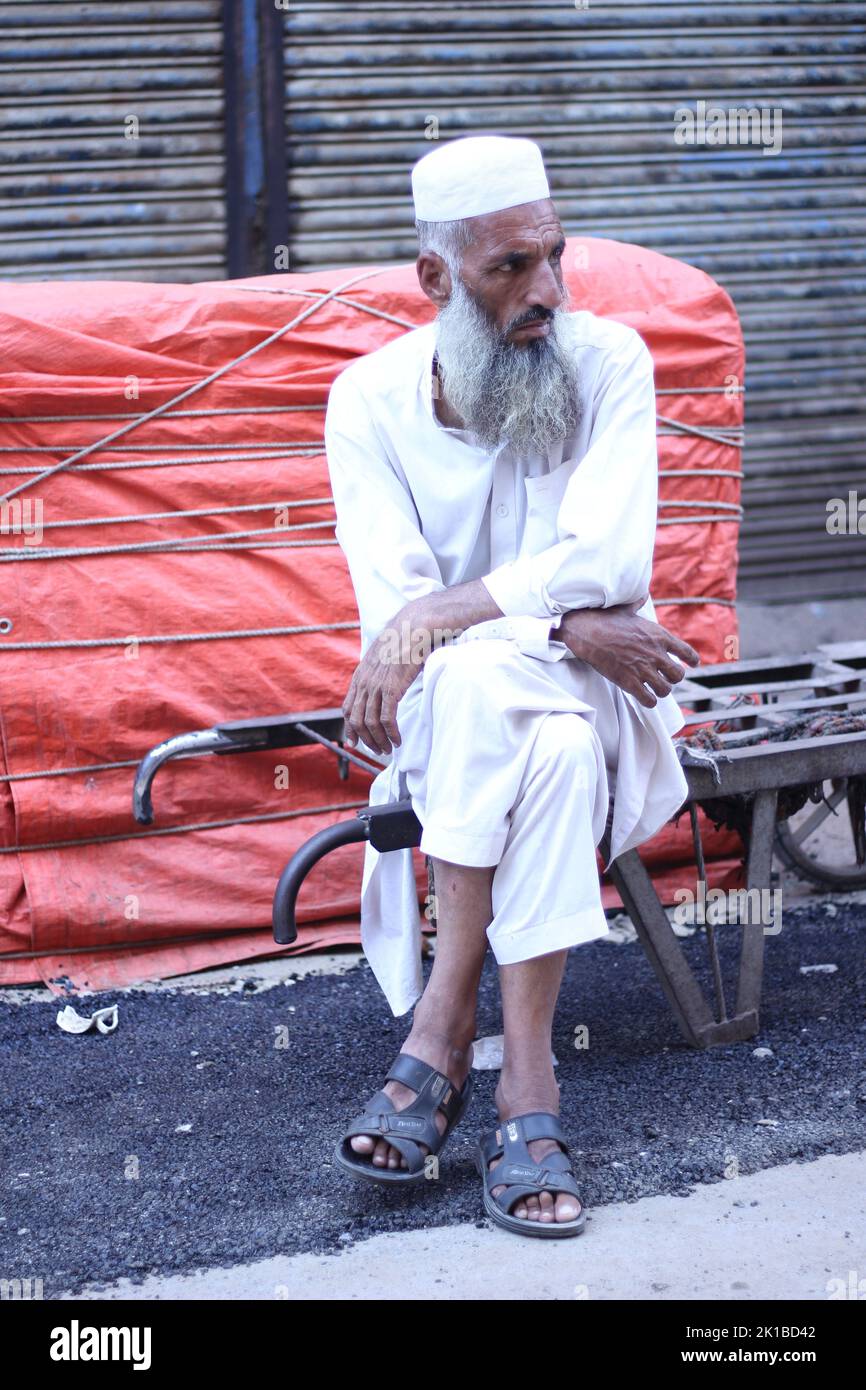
(557, 254)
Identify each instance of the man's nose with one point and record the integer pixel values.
(545, 288)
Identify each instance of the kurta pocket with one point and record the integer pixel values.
(544, 496)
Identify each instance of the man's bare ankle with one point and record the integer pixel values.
(451, 1051)
(526, 1100)
(454, 1033)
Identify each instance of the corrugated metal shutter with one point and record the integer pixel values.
(80, 200)
(598, 88)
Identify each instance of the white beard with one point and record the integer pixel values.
(527, 397)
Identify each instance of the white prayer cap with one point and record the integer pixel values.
(478, 174)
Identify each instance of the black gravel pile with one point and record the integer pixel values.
(192, 1137)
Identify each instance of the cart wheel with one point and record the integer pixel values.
(817, 842)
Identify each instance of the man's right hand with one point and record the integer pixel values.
(381, 679)
(630, 651)
(397, 656)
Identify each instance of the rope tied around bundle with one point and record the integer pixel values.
(706, 748)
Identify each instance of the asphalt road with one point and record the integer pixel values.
(192, 1138)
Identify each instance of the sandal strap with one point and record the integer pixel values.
(434, 1090)
(517, 1172)
(517, 1133)
(538, 1125)
(408, 1128)
(411, 1071)
(535, 1178)
(383, 1125)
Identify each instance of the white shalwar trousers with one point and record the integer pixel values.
(512, 783)
(510, 762)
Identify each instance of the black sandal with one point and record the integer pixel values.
(523, 1177)
(406, 1129)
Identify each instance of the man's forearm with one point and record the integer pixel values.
(426, 623)
(437, 618)
(443, 615)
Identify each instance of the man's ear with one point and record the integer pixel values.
(434, 277)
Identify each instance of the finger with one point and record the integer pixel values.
(682, 649)
(389, 719)
(641, 694)
(674, 670)
(657, 682)
(350, 729)
(372, 732)
(352, 716)
(346, 709)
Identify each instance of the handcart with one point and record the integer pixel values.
(779, 747)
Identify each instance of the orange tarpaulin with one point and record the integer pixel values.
(110, 641)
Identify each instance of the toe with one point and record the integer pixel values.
(567, 1208)
(380, 1154)
(545, 1202)
(362, 1144)
(533, 1209)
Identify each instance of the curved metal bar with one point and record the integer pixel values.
(202, 741)
(290, 880)
(238, 736)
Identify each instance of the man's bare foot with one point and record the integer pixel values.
(545, 1207)
(442, 1053)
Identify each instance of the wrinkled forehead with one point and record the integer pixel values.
(531, 228)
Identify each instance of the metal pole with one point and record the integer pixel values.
(256, 188)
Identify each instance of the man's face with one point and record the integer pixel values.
(514, 269)
(502, 338)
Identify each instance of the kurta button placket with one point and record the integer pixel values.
(503, 535)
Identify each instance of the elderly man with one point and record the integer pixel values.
(495, 482)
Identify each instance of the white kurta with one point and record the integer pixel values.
(420, 508)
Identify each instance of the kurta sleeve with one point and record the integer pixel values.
(377, 523)
(606, 521)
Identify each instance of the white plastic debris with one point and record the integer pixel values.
(762, 1052)
(818, 969)
(104, 1020)
(487, 1054)
(620, 930)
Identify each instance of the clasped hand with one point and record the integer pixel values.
(641, 657)
(631, 652)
